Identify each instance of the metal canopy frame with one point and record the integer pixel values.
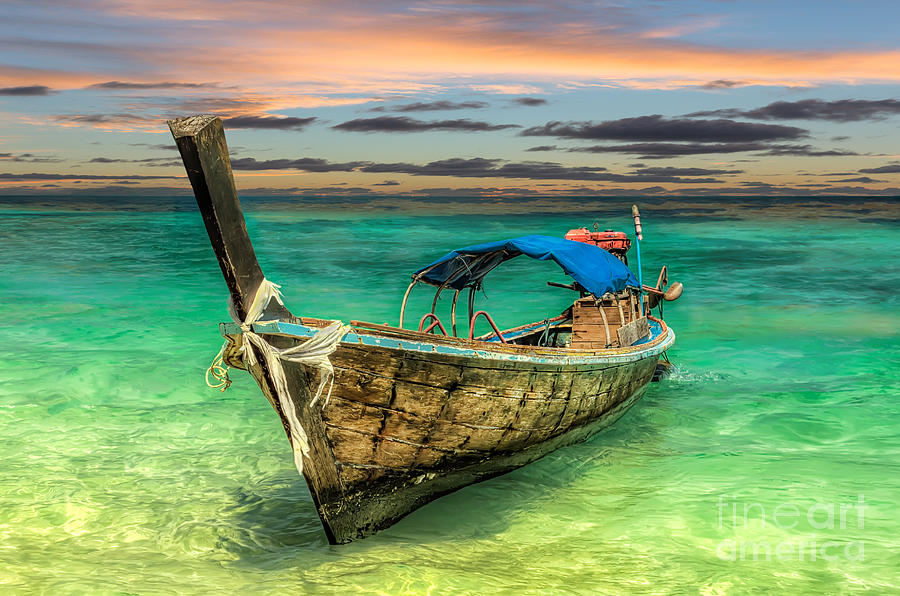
(473, 284)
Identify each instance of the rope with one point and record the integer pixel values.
(605, 324)
(218, 370)
(314, 353)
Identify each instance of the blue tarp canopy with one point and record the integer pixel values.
(593, 268)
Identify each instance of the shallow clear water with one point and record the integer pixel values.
(768, 461)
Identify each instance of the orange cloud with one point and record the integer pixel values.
(312, 51)
(18, 76)
(396, 51)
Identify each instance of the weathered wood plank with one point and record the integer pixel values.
(471, 421)
(396, 454)
(633, 331)
(406, 427)
(354, 415)
(421, 400)
(362, 386)
(350, 446)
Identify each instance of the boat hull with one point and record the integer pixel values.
(405, 426)
(411, 417)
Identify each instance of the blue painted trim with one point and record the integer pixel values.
(609, 356)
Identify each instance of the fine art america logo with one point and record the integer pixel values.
(800, 523)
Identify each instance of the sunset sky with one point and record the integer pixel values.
(456, 97)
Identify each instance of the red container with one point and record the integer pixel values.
(614, 242)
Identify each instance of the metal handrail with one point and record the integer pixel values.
(436, 323)
(490, 321)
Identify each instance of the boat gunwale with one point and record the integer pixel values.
(454, 346)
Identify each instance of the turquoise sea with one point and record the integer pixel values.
(769, 462)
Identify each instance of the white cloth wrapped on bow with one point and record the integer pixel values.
(313, 352)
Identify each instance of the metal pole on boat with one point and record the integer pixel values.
(638, 237)
(405, 298)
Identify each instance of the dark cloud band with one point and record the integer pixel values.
(658, 128)
(306, 164)
(888, 169)
(268, 122)
(406, 124)
(29, 158)
(529, 101)
(665, 150)
(844, 110)
(27, 91)
(38, 176)
(480, 167)
(807, 151)
(125, 86)
(432, 106)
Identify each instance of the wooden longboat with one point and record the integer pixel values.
(411, 416)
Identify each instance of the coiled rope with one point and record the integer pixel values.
(218, 370)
